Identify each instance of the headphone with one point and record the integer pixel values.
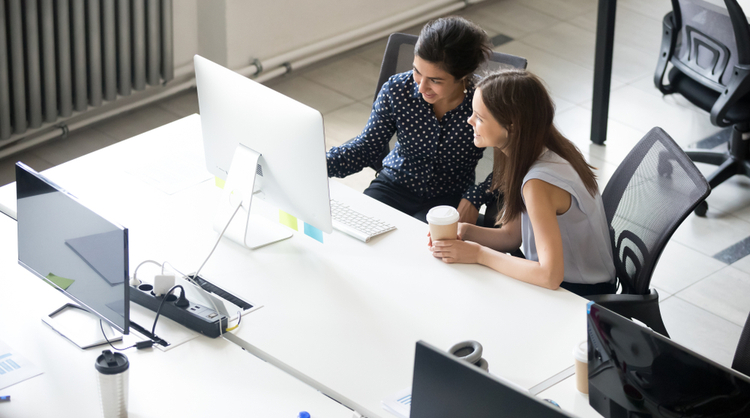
(470, 351)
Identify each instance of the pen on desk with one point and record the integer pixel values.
(5, 398)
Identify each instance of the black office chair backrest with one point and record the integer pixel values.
(399, 56)
(712, 40)
(652, 191)
(741, 361)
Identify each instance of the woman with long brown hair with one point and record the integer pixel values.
(552, 208)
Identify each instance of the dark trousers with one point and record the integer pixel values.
(384, 189)
(584, 290)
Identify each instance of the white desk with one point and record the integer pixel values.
(204, 377)
(344, 314)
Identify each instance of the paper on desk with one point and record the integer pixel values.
(399, 404)
(14, 368)
(170, 175)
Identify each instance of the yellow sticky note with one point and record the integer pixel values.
(62, 282)
(219, 182)
(288, 220)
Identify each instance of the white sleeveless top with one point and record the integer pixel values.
(587, 249)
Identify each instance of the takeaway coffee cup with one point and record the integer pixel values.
(581, 354)
(112, 371)
(443, 222)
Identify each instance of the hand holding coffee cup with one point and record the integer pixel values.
(443, 221)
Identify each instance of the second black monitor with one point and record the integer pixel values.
(446, 387)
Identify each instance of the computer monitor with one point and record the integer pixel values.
(635, 372)
(78, 252)
(446, 386)
(265, 145)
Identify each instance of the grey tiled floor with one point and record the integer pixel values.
(704, 301)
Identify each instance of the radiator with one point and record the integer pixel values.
(58, 57)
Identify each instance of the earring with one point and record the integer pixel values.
(465, 90)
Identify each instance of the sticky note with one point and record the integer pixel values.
(219, 182)
(61, 282)
(313, 232)
(288, 220)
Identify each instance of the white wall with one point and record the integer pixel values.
(185, 22)
(233, 32)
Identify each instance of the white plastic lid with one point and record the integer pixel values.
(442, 215)
(581, 352)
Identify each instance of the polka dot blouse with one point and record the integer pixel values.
(432, 157)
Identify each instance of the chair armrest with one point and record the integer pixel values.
(738, 87)
(644, 308)
(614, 299)
(668, 42)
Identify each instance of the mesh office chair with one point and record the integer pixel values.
(709, 48)
(741, 361)
(652, 191)
(399, 56)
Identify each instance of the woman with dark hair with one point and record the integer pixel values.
(434, 159)
(552, 206)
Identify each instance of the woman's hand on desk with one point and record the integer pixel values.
(456, 251)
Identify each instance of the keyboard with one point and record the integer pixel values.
(356, 224)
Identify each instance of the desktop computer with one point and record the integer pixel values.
(78, 252)
(635, 372)
(265, 146)
(446, 386)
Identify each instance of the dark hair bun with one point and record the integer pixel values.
(456, 44)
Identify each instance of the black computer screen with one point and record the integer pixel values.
(635, 372)
(73, 248)
(445, 386)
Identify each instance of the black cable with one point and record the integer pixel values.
(101, 326)
(166, 295)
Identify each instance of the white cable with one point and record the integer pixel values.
(135, 273)
(189, 279)
(239, 205)
(184, 276)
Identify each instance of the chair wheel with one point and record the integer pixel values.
(701, 209)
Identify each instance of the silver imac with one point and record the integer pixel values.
(265, 146)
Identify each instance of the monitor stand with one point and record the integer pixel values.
(248, 227)
(80, 326)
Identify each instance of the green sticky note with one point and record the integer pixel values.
(313, 232)
(61, 282)
(288, 220)
(219, 182)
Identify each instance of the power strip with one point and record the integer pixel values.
(197, 317)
